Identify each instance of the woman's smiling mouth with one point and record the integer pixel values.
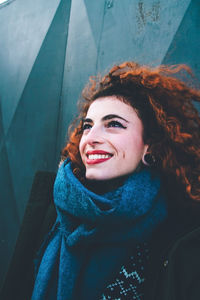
(97, 156)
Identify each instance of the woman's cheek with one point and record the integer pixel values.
(81, 147)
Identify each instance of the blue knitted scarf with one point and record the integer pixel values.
(94, 234)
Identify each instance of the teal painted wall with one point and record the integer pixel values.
(33, 37)
(48, 49)
(102, 33)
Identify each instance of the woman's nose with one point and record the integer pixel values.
(94, 136)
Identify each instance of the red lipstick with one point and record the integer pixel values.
(92, 161)
(97, 152)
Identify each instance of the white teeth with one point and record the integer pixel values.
(98, 156)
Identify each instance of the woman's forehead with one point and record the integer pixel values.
(110, 105)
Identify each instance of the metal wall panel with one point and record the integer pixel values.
(102, 33)
(32, 54)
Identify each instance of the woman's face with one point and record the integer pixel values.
(112, 144)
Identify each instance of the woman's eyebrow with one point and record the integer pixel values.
(87, 120)
(107, 117)
(112, 116)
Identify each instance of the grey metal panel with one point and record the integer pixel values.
(9, 219)
(185, 46)
(137, 30)
(30, 101)
(34, 125)
(23, 26)
(81, 58)
(105, 32)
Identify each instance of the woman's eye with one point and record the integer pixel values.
(86, 126)
(115, 124)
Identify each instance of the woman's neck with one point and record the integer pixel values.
(104, 186)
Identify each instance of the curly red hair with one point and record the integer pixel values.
(165, 105)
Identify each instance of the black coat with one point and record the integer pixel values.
(173, 272)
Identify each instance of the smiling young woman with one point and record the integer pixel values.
(112, 141)
(127, 194)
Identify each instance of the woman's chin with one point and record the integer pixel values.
(99, 177)
(102, 185)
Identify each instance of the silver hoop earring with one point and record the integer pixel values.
(148, 159)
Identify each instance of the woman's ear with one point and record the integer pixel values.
(145, 149)
(148, 158)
